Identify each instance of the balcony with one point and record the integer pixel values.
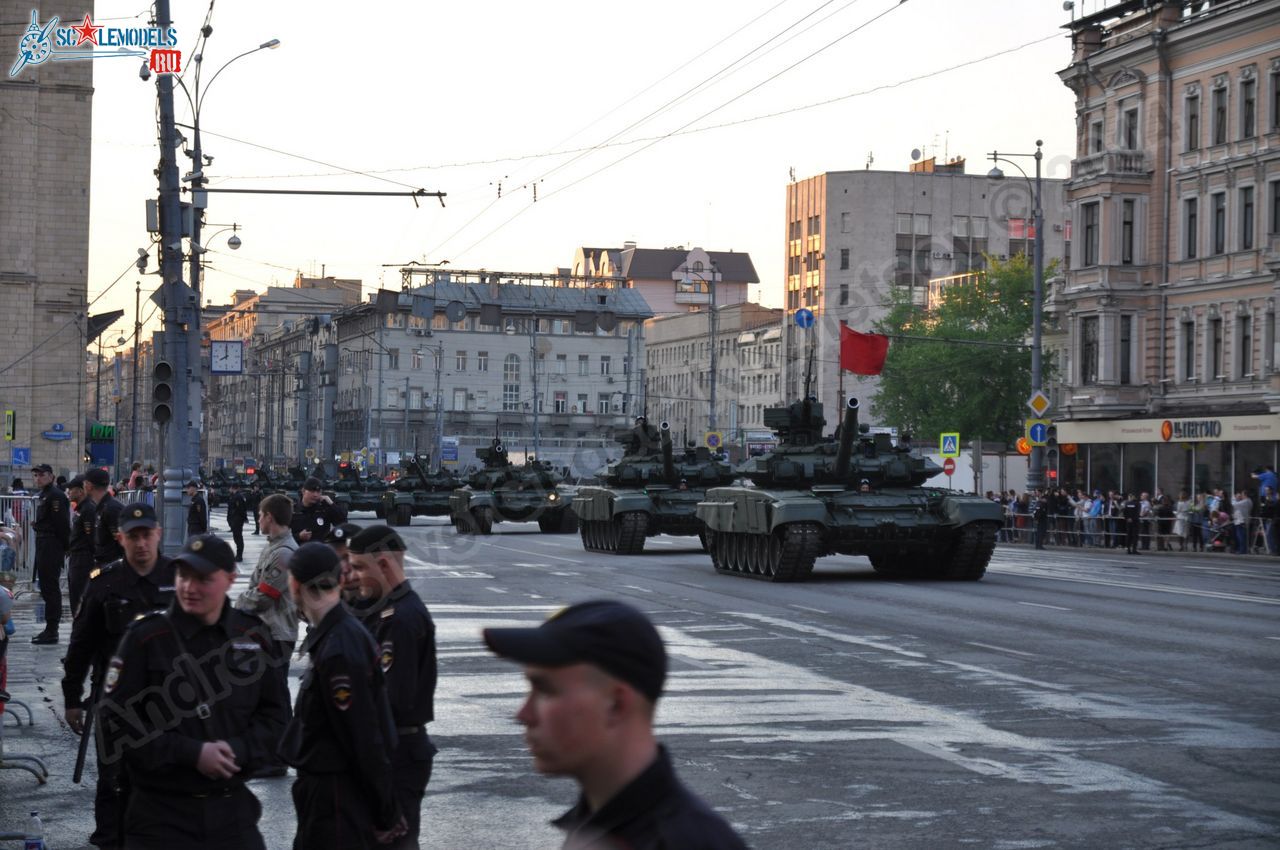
(692, 297)
(1117, 163)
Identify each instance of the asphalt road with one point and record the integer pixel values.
(1070, 699)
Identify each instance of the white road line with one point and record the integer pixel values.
(496, 589)
(637, 587)
(525, 552)
(807, 608)
(1269, 637)
(1040, 605)
(1002, 648)
(1183, 591)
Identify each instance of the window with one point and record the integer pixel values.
(1095, 136)
(562, 364)
(440, 322)
(978, 227)
(393, 358)
(561, 402)
(392, 396)
(511, 382)
(1193, 123)
(1190, 227)
(1244, 345)
(584, 364)
(1215, 347)
(1189, 351)
(1275, 100)
(482, 399)
(1246, 218)
(1274, 187)
(1090, 246)
(1089, 350)
(460, 361)
(1126, 349)
(415, 362)
(844, 259)
(1126, 230)
(923, 224)
(482, 361)
(1129, 129)
(959, 225)
(1219, 200)
(844, 294)
(903, 223)
(606, 364)
(1220, 116)
(793, 231)
(844, 222)
(1248, 108)
(602, 403)
(582, 403)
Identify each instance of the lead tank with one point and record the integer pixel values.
(851, 494)
(648, 491)
(501, 491)
(419, 492)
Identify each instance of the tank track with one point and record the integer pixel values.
(622, 535)
(788, 554)
(971, 554)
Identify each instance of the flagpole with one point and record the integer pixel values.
(840, 370)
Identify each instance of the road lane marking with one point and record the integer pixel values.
(826, 633)
(496, 589)
(526, 552)
(636, 587)
(1182, 591)
(807, 608)
(1041, 605)
(1273, 638)
(1002, 648)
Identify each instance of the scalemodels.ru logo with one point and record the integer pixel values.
(40, 43)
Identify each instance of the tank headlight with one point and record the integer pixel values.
(553, 497)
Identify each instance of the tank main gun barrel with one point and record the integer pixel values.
(848, 433)
(668, 458)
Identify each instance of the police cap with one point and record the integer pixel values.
(376, 538)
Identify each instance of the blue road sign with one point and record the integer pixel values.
(804, 317)
(1039, 431)
(21, 456)
(950, 443)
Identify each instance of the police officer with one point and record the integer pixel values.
(317, 514)
(198, 512)
(1132, 513)
(52, 526)
(141, 581)
(186, 770)
(237, 514)
(406, 638)
(595, 672)
(80, 549)
(1040, 515)
(107, 510)
(349, 582)
(341, 735)
(255, 498)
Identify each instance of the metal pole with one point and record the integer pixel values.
(280, 449)
(711, 326)
(1035, 472)
(196, 397)
(377, 455)
(533, 357)
(137, 333)
(439, 407)
(97, 383)
(404, 433)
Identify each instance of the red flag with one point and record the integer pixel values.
(862, 354)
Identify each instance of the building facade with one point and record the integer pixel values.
(672, 280)
(1165, 324)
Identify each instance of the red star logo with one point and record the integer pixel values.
(87, 31)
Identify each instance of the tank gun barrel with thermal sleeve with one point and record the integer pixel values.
(848, 433)
(668, 456)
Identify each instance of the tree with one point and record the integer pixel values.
(938, 380)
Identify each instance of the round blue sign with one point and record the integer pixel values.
(804, 317)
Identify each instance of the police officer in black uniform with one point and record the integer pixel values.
(52, 526)
(1132, 513)
(186, 770)
(80, 549)
(338, 539)
(341, 735)
(141, 581)
(198, 511)
(406, 638)
(106, 531)
(317, 514)
(237, 514)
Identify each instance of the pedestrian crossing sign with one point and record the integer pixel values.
(950, 443)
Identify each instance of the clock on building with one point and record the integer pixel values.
(226, 357)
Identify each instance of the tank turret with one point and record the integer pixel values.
(494, 456)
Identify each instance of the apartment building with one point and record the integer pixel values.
(671, 280)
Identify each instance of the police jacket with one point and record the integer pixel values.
(654, 812)
(82, 528)
(237, 509)
(1132, 510)
(342, 721)
(106, 548)
(175, 683)
(406, 637)
(53, 515)
(115, 596)
(197, 516)
(319, 519)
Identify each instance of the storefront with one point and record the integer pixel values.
(1170, 455)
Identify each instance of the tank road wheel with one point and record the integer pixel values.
(741, 548)
(801, 545)
(971, 553)
(591, 533)
(773, 556)
(753, 553)
(404, 514)
(715, 548)
(463, 523)
(483, 517)
(630, 528)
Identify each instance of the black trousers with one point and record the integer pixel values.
(109, 800)
(411, 771)
(333, 814)
(225, 821)
(1131, 534)
(50, 553)
(79, 565)
(237, 534)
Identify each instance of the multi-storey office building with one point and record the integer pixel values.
(671, 280)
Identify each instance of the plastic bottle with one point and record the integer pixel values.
(35, 833)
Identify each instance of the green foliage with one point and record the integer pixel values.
(929, 386)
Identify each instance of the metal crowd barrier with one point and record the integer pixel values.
(16, 515)
(1105, 532)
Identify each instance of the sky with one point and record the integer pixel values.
(644, 122)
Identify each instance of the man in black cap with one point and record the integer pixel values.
(52, 526)
(349, 582)
(117, 593)
(595, 672)
(80, 548)
(406, 638)
(341, 735)
(187, 769)
(198, 511)
(237, 514)
(107, 509)
(317, 515)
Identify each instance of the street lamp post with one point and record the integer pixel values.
(1035, 472)
(712, 331)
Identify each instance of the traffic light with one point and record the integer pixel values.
(1051, 438)
(162, 392)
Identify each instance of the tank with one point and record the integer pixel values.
(501, 491)
(359, 492)
(418, 491)
(649, 491)
(851, 494)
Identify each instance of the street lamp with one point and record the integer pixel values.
(1035, 473)
(712, 330)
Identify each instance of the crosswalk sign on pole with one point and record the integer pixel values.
(950, 443)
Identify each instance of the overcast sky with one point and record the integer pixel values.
(464, 97)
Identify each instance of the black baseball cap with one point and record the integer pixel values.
(206, 554)
(316, 562)
(78, 481)
(138, 515)
(612, 635)
(342, 534)
(97, 477)
(376, 538)
(42, 467)
(312, 483)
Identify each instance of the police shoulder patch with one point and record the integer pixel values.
(385, 655)
(388, 611)
(340, 689)
(95, 573)
(113, 674)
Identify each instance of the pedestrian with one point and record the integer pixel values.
(186, 770)
(237, 514)
(117, 593)
(80, 546)
(1132, 512)
(197, 511)
(106, 524)
(1241, 510)
(317, 515)
(267, 595)
(136, 477)
(405, 635)
(349, 581)
(1040, 513)
(1182, 519)
(52, 525)
(255, 499)
(595, 672)
(341, 736)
